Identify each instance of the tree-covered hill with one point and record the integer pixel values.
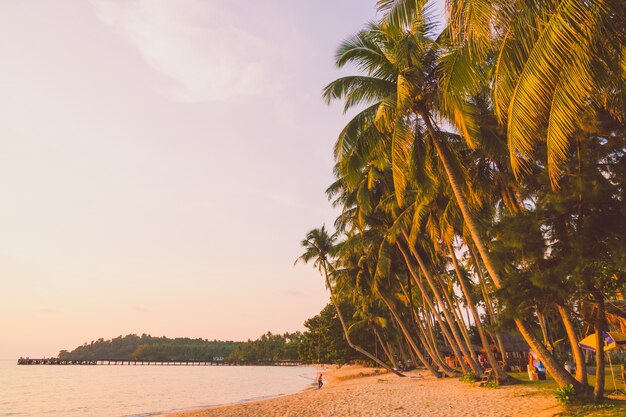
(269, 347)
(146, 347)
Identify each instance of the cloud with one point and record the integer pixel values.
(206, 48)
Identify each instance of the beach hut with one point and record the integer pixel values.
(450, 359)
(515, 350)
(614, 310)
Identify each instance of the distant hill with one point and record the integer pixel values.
(149, 348)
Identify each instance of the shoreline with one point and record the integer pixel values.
(189, 411)
(185, 411)
(358, 391)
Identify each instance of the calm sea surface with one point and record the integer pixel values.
(114, 391)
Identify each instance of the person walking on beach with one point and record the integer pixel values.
(320, 381)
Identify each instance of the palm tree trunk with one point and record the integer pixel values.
(600, 325)
(500, 374)
(407, 335)
(429, 323)
(453, 325)
(544, 328)
(579, 358)
(427, 328)
(345, 330)
(560, 375)
(487, 298)
(444, 329)
(414, 359)
(458, 318)
(401, 347)
(387, 353)
(429, 345)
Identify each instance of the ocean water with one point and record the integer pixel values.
(115, 391)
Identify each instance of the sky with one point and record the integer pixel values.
(160, 162)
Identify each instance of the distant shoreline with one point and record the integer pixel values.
(133, 362)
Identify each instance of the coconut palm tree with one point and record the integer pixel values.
(427, 79)
(319, 246)
(362, 199)
(358, 261)
(552, 62)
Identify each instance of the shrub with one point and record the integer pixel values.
(469, 377)
(565, 395)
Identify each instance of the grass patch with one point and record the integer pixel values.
(549, 384)
(546, 386)
(610, 408)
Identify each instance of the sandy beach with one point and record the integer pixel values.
(348, 393)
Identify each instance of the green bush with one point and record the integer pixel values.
(469, 377)
(565, 395)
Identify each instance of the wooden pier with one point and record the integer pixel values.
(57, 361)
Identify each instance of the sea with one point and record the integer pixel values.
(122, 390)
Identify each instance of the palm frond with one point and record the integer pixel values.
(460, 77)
(383, 264)
(353, 131)
(470, 25)
(386, 114)
(400, 13)
(364, 51)
(567, 28)
(400, 156)
(571, 96)
(356, 90)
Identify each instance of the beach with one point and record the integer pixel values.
(353, 391)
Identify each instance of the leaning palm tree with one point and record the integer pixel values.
(364, 189)
(552, 61)
(319, 246)
(413, 80)
(555, 62)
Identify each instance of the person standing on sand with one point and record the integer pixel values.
(320, 381)
(482, 361)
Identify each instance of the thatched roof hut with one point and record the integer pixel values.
(615, 313)
(512, 342)
(448, 349)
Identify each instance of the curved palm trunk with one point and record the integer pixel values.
(345, 330)
(560, 375)
(458, 318)
(428, 344)
(407, 335)
(500, 374)
(579, 358)
(402, 346)
(453, 324)
(431, 332)
(387, 352)
(414, 359)
(541, 318)
(408, 293)
(444, 329)
(487, 298)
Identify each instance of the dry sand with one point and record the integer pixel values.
(349, 394)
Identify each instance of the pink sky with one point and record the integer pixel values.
(160, 162)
